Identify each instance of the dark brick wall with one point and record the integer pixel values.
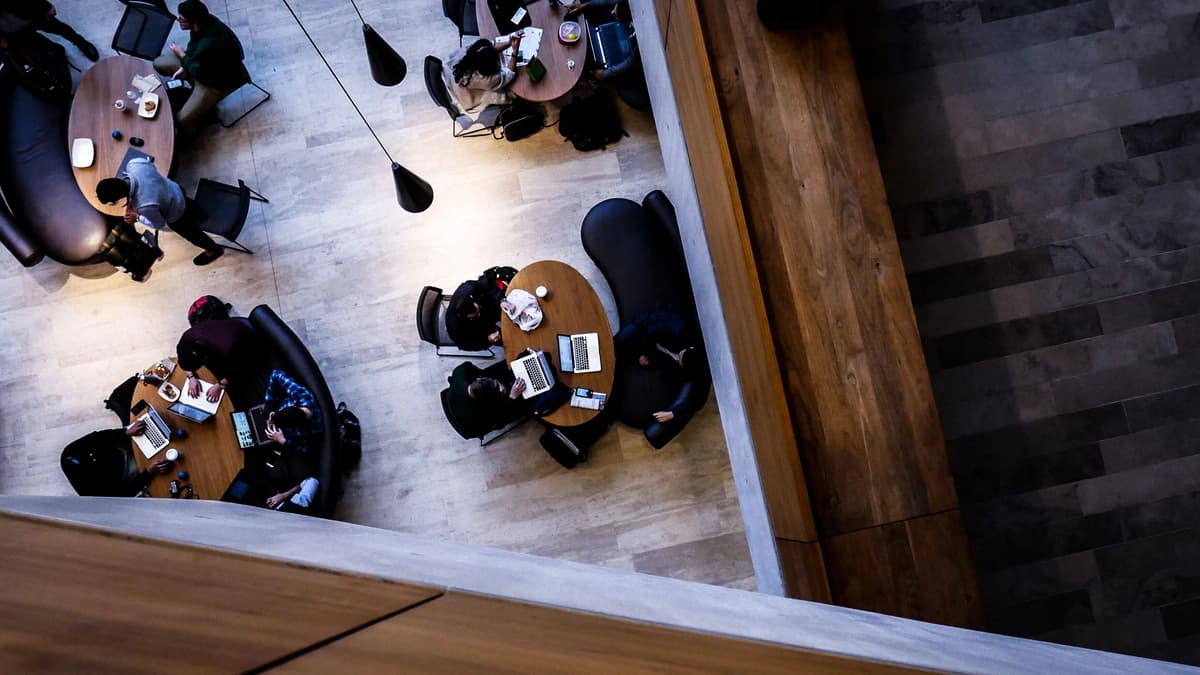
(1042, 161)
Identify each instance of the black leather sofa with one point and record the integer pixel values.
(637, 248)
(42, 211)
(286, 352)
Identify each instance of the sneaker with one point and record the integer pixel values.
(208, 256)
(142, 278)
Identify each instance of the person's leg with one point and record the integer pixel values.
(187, 228)
(167, 64)
(202, 100)
(56, 26)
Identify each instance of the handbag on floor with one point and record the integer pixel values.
(520, 119)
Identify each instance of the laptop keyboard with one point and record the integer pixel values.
(153, 434)
(579, 352)
(537, 381)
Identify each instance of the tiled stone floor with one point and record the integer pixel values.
(1042, 160)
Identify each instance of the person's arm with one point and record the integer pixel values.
(151, 216)
(276, 501)
(275, 390)
(306, 492)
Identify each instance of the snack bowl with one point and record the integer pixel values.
(169, 392)
(569, 31)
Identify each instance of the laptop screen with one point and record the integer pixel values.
(193, 414)
(566, 354)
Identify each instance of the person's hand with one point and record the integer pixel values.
(131, 214)
(177, 51)
(494, 338)
(276, 435)
(507, 306)
(159, 466)
(193, 386)
(644, 361)
(214, 393)
(598, 74)
(276, 500)
(178, 75)
(516, 390)
(135, 428)
(664, 416)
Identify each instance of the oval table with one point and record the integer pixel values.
(572, 306)
(93, 116)
(560, 77)
(210, 453)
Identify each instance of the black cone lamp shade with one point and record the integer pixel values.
(413, 193)
(387, 67)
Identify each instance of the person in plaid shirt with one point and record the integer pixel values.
(293, 417)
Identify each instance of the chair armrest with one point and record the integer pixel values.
(16, 240)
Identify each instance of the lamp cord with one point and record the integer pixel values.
(337, 79)
(355, 5)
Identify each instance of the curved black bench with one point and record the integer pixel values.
(637, 248)
(286, 352)
(42, 211)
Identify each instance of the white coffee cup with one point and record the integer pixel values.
(541, 291)
(119, 104)
(172, 454)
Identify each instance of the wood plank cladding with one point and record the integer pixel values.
(782, 478)
(80, 600)
(460, 633)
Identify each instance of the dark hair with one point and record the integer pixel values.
(291, 416)
(109, 190)
(194, 11)
(481, 58)
(463, 305)
(191, 355)
(484, 389)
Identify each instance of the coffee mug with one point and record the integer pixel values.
(172, 454)
(541, 291)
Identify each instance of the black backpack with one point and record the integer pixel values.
(591, 123)
(351, 437)
(518, 120)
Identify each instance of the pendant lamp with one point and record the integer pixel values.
(387, 67)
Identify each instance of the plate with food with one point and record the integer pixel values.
(569, 31)
(148, 105)
(169, 392)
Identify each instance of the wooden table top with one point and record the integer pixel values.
(210, 453)
(553, 53)
(572, 306)
(93, 116)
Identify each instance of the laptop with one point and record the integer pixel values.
(533, 370)
(251, 427)
(198, 408)
(579, 353)
(157, 434)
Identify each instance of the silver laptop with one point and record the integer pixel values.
(579, 353)
(155, 437)
(535, 372)
(197, 408)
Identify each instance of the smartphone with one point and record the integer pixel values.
(138, 408)
(583, 392)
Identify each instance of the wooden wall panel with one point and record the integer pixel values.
(831, 271)
(80, 600)
(461, 633)
(803, 569)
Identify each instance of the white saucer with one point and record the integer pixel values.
(83, 153)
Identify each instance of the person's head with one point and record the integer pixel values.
(481, 58)
(192, 14)
(112, 190)
(486, 389)
(291, 416)
(192, 356)
(465, 307)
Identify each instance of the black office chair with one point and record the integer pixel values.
(243, 80)
(432, 306)
(143, 29)
(101, 464)
(221, 209)
(463, 426)
(436, 87)
(462, 14)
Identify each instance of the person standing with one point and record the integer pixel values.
(39, 15)
(212, 62)
(156, 202)
(229, 348)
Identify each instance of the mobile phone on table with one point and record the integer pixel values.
(583, 392)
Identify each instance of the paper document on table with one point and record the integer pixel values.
(146, 83)
(531, 40)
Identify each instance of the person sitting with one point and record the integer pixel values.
(212, 63)
(477, 75)
(293, 418)
(660, 339)
(229, 348)
(156, 202)
(473, 317)
(499, 399)
(22, 16)
(296, 499)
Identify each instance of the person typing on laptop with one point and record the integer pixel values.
(293, 417)
(227, 347)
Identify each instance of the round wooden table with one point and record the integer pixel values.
(572, 306)
(552, 52)
(93, 116)
(210, 453)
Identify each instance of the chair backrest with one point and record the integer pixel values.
(437, 86)
(429, 314)
(143, 30)
(222, 208)
(452, 9)
(101, 464)
(460, 425)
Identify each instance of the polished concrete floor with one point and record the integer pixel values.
(1042, 164)
(343, 265)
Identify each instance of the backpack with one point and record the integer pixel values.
(207, 308)
(351, 437)
(496, 280)
(519, 120)
(591, 123)
(129, 252)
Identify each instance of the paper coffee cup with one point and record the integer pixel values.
(172, 454)
(541, 291)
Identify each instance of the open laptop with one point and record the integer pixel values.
(579, 353)
(535, 372)
(196, 408)
(157, 434)
(250, 427)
